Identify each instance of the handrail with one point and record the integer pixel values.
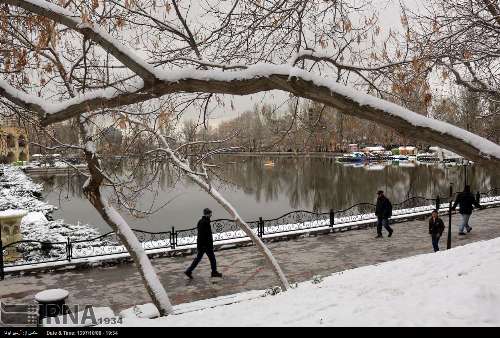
(171, 237)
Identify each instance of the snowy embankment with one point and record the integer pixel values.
(458, 287)
(18, 191)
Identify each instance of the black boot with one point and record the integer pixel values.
(189, 274)
(216, 274)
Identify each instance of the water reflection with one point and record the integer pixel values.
(255, 189)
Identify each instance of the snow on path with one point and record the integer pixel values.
(458, 287)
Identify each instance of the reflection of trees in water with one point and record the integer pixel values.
(314, 184)
(321, 184)
(66, 186)
(145, 180)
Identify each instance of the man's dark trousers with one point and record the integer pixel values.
(199, 256)
(385, 222)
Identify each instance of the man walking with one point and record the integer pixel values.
(205, 245)
(383, 212)
(466, 200)
(436, 228)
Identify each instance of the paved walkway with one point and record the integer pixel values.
(120, 287)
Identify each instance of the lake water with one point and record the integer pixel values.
(257, 190)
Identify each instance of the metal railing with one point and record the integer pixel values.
(30, 252)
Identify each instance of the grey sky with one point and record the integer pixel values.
(389, 19)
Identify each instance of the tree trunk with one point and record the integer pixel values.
(231, 210)
(92, 190)
(246, 228)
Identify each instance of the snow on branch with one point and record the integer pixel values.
(309, 54)
(203, 181)
(253, 79)
(265, 77)
(91, 31)
(24, 100)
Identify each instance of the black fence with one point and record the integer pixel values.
(29, 252)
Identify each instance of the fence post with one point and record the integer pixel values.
(1, 259)
(332, 218)
(448, 244)
(172, 238)
(438, 202)
(69, 250)
(260, 228)
(478, 197)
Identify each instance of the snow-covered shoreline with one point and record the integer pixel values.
(88, 246)
(18, 191)
(457, 287)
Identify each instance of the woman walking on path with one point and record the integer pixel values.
(436, 228)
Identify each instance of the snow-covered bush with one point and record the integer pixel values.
(273, 291)
(317, 279)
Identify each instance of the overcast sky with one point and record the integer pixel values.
(389, 18)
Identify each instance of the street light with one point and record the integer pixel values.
(465, 163)
(1, 255)
(448, 243)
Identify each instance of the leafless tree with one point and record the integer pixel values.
(140, 64)
(459, 40)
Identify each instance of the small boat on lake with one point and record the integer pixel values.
(354, 157)
(400, 158)
(427, 157)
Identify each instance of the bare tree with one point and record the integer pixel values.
(66, 60)
(459, 41)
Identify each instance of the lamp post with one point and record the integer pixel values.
(448, 243)
(465, 163)
(1, 256)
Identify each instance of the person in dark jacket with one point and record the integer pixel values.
(467, 201)
(436, 228)
(383, 211)
(205, 245)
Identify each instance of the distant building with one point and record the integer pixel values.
(13, 141)
(374, 150)
(408, 150)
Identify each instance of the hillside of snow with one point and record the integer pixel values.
(458, 287)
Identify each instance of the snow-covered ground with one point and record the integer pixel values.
(55, 165)
(19, 192)
(458, 287)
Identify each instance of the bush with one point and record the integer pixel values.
(317, 279)
(273, 291)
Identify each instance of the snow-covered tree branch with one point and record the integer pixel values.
(155, 83)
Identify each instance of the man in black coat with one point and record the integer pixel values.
(205, 245)
(383, 212)
(466, 200)
(436, 228)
